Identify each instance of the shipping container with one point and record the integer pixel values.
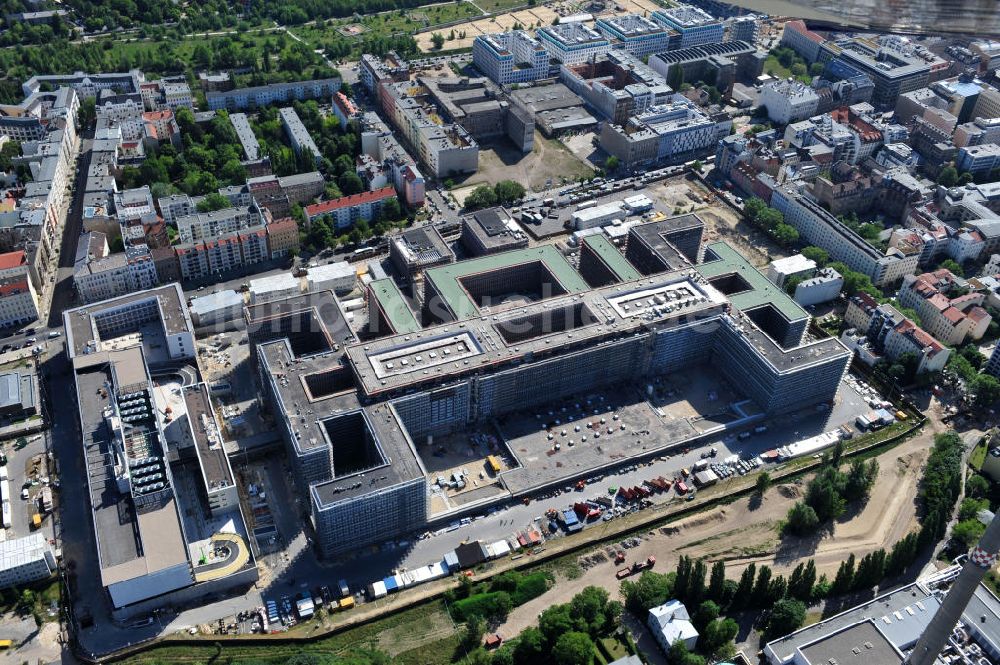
(346, 603)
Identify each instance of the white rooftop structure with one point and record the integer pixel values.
(670, 622)
(214, 302)
(274, 286)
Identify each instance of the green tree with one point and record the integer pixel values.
(717, 635)
(649, 590)
(953, 266)
(555, 621)
(611, 164)
(530, 646)
(948, 176)
(717, 582)
(820, 256)
(871, 568)
(786, 616)
(985, 390)
(482, 196)
(588, 608)
(573, 648)
(800, 585)
(437, 39)
(758, 598)
(744, 589)
(844, 581)
(802, 519)
(977, 486)
(968, 532)
(785, 234)
(475, 628)
(508, 191)
(707, 612)
(213, 201)
(679, 655)
(763, 483)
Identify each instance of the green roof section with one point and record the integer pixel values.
(445, 278)
(761, 292)
(618, 264)
(394, 306)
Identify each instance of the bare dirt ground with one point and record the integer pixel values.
(547, 165)
(721, 221)
(746, 531)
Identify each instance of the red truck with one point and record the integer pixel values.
(682, 487)
(636, 567)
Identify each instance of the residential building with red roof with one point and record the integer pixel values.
(347, 210)
(951, 320)
(18, 300)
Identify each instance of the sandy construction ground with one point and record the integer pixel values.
(528, 18)
(744, 532)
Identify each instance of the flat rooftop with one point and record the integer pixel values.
(860, 644)
(901, 616)
(314, 318)
(612, 258)
(654, 236)
(756, 290)
(83, 329)
(393, 306)
(494, 228)
(448, 351)
(397, 460)
(422, 246)
(130, 544)
(447, 280)
(212, 457)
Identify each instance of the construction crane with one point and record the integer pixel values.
(980, 561)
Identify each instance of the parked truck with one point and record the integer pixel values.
(636, 568)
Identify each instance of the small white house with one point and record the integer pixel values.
(669, 623)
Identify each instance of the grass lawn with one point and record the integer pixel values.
(425, 632)
(775, 68)
(978, 456)
(491, 6)
(405, 22)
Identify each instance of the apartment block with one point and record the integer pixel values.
(240, 99)
(347, 210)
(298, 135)
(802, 40)
(26, 560)
(201, 226)
(788, 101)
(819, 227)
(18, 299)
(978, 159)
(99, 276)
(216, 255)
(282, 237)
(951, 320)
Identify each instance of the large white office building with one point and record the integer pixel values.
(696, 26)
(573, 43)
(634, 33)
(510, 57)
